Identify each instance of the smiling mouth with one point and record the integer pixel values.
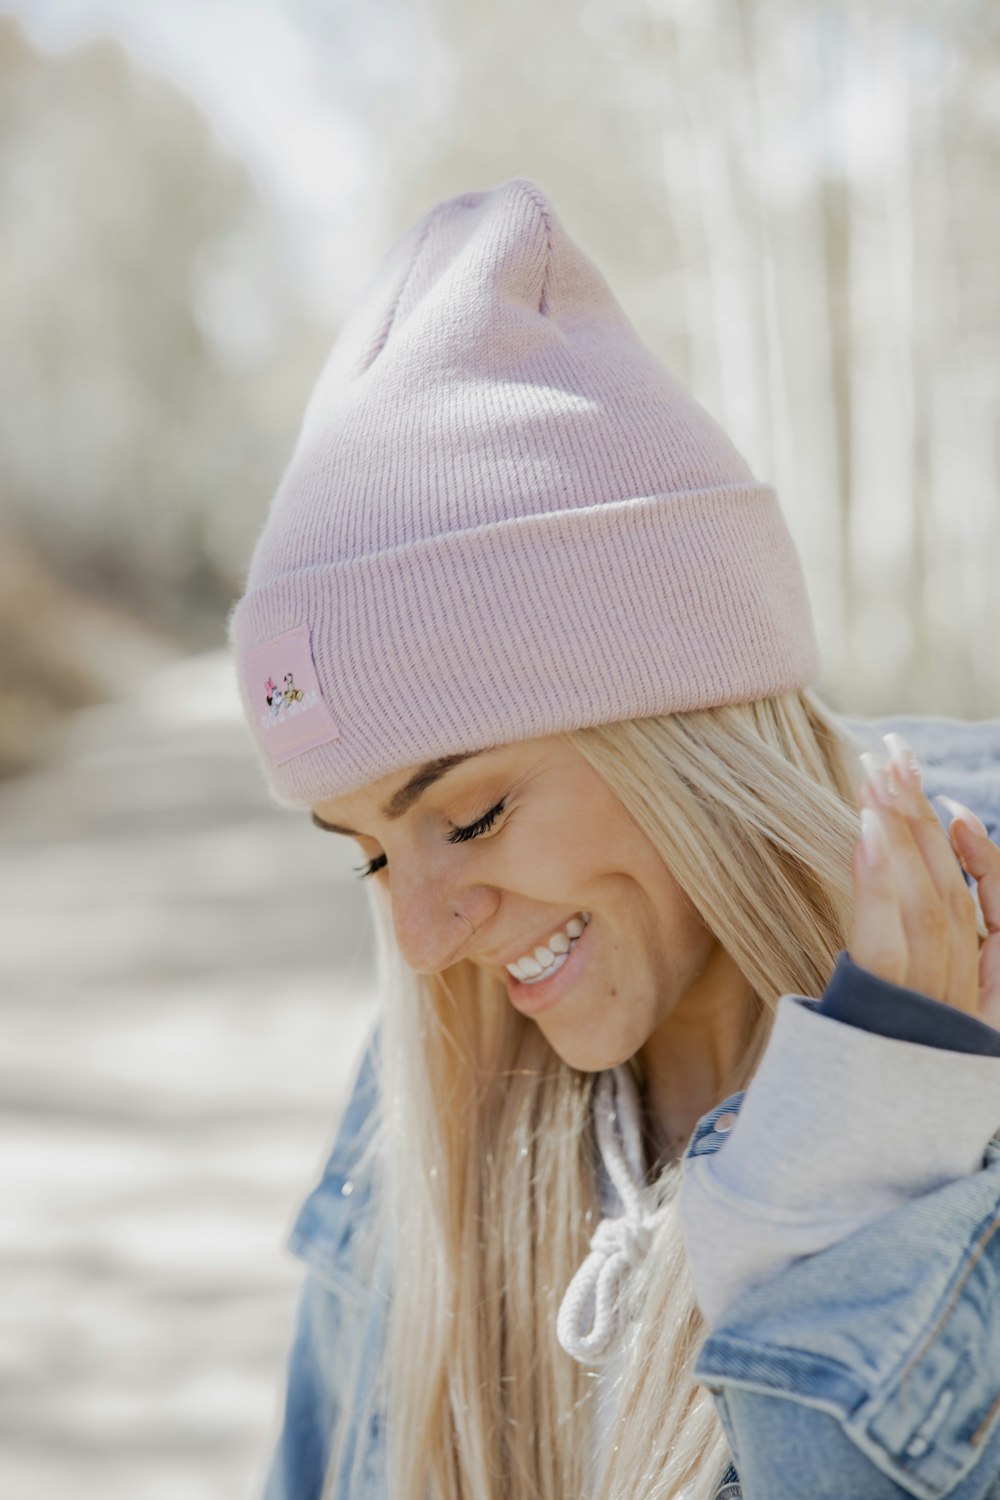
(544, 990)
(553, 950)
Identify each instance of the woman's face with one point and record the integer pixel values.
(559, 844)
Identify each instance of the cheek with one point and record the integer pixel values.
(547, 856)
(678, 918)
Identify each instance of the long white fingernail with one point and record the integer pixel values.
(964, 814)
(904, 758)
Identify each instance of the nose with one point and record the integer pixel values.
(437, 922)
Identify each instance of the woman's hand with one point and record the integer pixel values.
(914, 916)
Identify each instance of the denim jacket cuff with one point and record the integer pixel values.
(838, 1126)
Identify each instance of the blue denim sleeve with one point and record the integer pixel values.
(872, 1370)
(300, 1457)
(860, 998)
(789, 1451)
(330, 1236)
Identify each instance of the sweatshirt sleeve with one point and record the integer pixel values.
(862, 1100)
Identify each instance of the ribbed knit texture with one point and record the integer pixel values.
(503, 518)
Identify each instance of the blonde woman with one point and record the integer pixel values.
(673, 1167)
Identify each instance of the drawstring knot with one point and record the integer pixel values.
(621, 1239)
(589, 1323)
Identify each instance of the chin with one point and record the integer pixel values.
(593, 1054)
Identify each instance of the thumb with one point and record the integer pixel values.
(980, 856)
(878, 937)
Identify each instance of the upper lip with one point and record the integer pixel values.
(515, 953)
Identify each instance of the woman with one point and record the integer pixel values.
(553, 653)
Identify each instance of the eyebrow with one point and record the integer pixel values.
(402, 800)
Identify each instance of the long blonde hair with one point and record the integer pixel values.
(486, 1134)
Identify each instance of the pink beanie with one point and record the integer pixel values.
(503, 518)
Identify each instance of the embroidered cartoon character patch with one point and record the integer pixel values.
(279, 697)
(284, 689)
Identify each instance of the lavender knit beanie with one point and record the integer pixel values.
(503, 518)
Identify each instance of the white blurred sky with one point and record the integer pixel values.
(289, 86)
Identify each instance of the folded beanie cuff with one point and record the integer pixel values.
(564, 617)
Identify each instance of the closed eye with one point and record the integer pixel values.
(457, 836)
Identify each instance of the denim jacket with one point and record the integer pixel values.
(870, 1369)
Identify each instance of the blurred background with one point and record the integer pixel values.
(799, 207)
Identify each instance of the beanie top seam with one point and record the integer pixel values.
(390, 319)
(538, 199)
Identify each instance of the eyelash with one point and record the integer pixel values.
(457, 836)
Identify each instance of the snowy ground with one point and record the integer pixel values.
(185, 976)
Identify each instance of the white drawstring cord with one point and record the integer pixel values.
(589, 1323)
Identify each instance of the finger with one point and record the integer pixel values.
(961, 981)
(981, 858)
(924, 914)
(878, 939)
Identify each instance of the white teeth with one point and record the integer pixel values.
(550, 970)
(553, 952)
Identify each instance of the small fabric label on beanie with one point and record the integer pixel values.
(285, 694)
